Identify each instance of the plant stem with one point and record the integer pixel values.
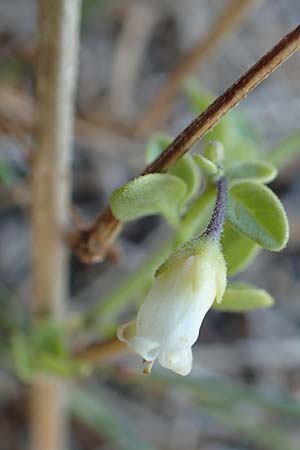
(58, 32)
(215, 227)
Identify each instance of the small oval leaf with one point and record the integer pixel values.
(243, 297)
(22, 357)
(208, 167)
(254, 210)
(156, 145)
(239, 251)
(200, 98)
(214, 151)
(261, 171)
(234, 131)
(241, 149)
(187, 170)
(156, 193)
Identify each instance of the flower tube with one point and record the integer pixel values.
(170, 318)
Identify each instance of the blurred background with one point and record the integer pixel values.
(244, 390)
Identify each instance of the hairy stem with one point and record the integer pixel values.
(58, 31)
(215, 227)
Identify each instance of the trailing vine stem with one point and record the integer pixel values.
(93, 243)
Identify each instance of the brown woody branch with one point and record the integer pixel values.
(92, 244)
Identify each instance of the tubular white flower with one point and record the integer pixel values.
(170, 318)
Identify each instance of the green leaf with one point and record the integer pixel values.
(44, 350)
(260, 171)
(240, 149)
(7, 174)
(156, 145)
(214, 151)
(242, 297)
(254, 210)
(234, 131)
(200, 98)
(285, 152)
(156, 193)
(243, 140)
(239, 251)
(49, 336)
(207, 166)
(185, 168)
(22, 357)
(197, 217)
(90, 6)
(59, 366)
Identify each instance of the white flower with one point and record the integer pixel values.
(170, 318)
